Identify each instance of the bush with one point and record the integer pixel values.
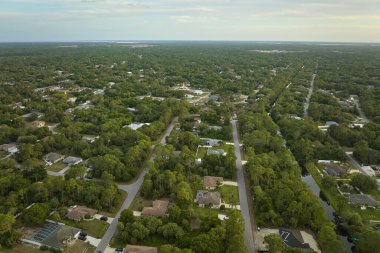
(44, 248)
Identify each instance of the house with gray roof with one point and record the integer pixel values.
(211, 142)
(218, 152)
(207, 198)
(363, 200)
(52, 158)
(72, 160)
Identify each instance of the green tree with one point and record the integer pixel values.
(36, 214)
(369, 242)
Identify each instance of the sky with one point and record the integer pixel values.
(235, 20)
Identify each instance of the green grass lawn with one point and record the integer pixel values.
(79, 246)
(201, 152)
(230, 194)
(139, 203)
(95, 228)
(57, 167)
(21, 248)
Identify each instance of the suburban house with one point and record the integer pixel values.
(218, 152)
(37, 124)
(368, 170)
(159, 209)
(9, 148)
(211, 183)
(90, 139)
(210, 142)
(72, 160)
(84, 106)
(216, 128)
(139, 249)
(207, 198)
(327, 125)
(195, 118)
(51, 234)
(214, 97)
(78, 213)
(136, 125)
(335, 170)
(52, 158)
(363, 200)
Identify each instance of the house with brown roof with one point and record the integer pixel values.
(159, 209)
(207, 198)
(37, 124)
(78, 213)
(139, 249)
(211, 183)
(9, 148)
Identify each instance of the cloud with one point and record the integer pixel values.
(238, 19)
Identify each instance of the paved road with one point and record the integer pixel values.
(356, 164)
(361, 113)
(307, 103)
(244, 207)
(132, 190)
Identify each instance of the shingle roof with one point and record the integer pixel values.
(363, 199)
(52, 157)
(211, 182)
(206, 197)
(79, 212)
(159, 208)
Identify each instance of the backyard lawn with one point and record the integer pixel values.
(80, 246)
(21, 248)
(57, 167)
(139, 203)
(96, 228)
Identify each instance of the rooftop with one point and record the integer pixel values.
(159, 208)
(206, 197)
(363, 199)
(211, 182)
(79, 212)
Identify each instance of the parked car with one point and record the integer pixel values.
(104, 218)
(83, 234)
(119, 250)
(82, 238)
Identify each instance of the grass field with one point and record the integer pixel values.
(139, 203)
(230, 194)
(80, 247)
(57, 167)
(21, 248)
(95, 228)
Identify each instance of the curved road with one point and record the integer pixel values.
(132, 190)
(244, 207)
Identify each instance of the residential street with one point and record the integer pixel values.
(307, 103)
(132, 190)
(361, 113)
(244, 207)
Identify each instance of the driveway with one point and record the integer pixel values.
(132, 190)
(244, 207)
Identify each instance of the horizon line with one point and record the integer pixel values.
(185, 40)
